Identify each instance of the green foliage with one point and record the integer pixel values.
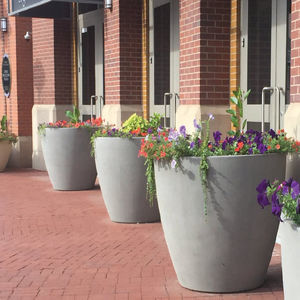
(238, 100)
(134, 122)
(288, 201)
(138, 124)
(150, 175)
(3, 123)
(73, 115)
(4, 133)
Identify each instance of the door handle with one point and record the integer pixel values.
(92, 105)
(101, 104)
(165, 107)
(265, 89)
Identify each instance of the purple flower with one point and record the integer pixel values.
(196, 125)
(182, 130)
(263, 200)
(149, 130)
(262, 148)
(298, 207)
(272, 133)
(262, 187)
(276, 206)
(250, 150)
(224, 144)
(217, 136)
(192, 145)
(173, 135)
(211, 117)
(173, 164)
(295, 189)
(285, 190)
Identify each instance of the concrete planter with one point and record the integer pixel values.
(290, 249)
(293, 166)
(67, 154)
(230, 249)
(122, 179)
(5, 149)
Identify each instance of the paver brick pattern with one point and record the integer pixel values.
(62, 245)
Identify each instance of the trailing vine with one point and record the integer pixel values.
(203, 167)
(150, 175)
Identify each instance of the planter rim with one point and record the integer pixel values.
(4, 140)
(292, 224)
(235, 156)
(120, 138)
(69, 128)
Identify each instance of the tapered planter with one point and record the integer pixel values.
(293, 166)
(290, 261)
(122, 180)
(67, 154)
(230, 248)
(5, 149)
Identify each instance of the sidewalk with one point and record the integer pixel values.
(62, 245)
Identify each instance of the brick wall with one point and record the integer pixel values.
(123, 53)
(204, 51)
(295, 52)
(52, 61)
(18, 106)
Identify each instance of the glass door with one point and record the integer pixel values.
(164, 59)
(90, 64)
(265, 61)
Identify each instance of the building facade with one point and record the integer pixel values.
(179, 58)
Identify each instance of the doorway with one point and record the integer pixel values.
(90, 64)
(164, 59)
(265, 61)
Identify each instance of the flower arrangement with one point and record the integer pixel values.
(5, 135)
(134, 126)
(285, 198)
(74, 122)
(172, 144)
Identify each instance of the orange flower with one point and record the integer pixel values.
(162, 154)
(277, 146)
(151, 145)
(237, 149)
(103, 131)
(77, 125)
(240, 145)
(166, 139)
(269, 147)
(210, 146)
(278, 131)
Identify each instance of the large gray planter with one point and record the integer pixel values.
(229, 249)
(67, 154)
(290, 249)
(293, 166)
(122, 180)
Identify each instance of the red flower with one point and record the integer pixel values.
(162, 154)
(277, 146)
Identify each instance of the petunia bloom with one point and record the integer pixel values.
(182, 130)
(217, 136)
(276, 206)
(196, 125)
(173, 164)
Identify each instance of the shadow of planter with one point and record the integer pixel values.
(122, 180)
(228, 250)
(67, 154)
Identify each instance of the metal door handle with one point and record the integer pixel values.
(265, 89)
(101, 104)
(92, 110)
(165, 106)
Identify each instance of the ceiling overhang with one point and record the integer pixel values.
(46, 8)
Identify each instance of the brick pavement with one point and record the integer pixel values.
(62, 245)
